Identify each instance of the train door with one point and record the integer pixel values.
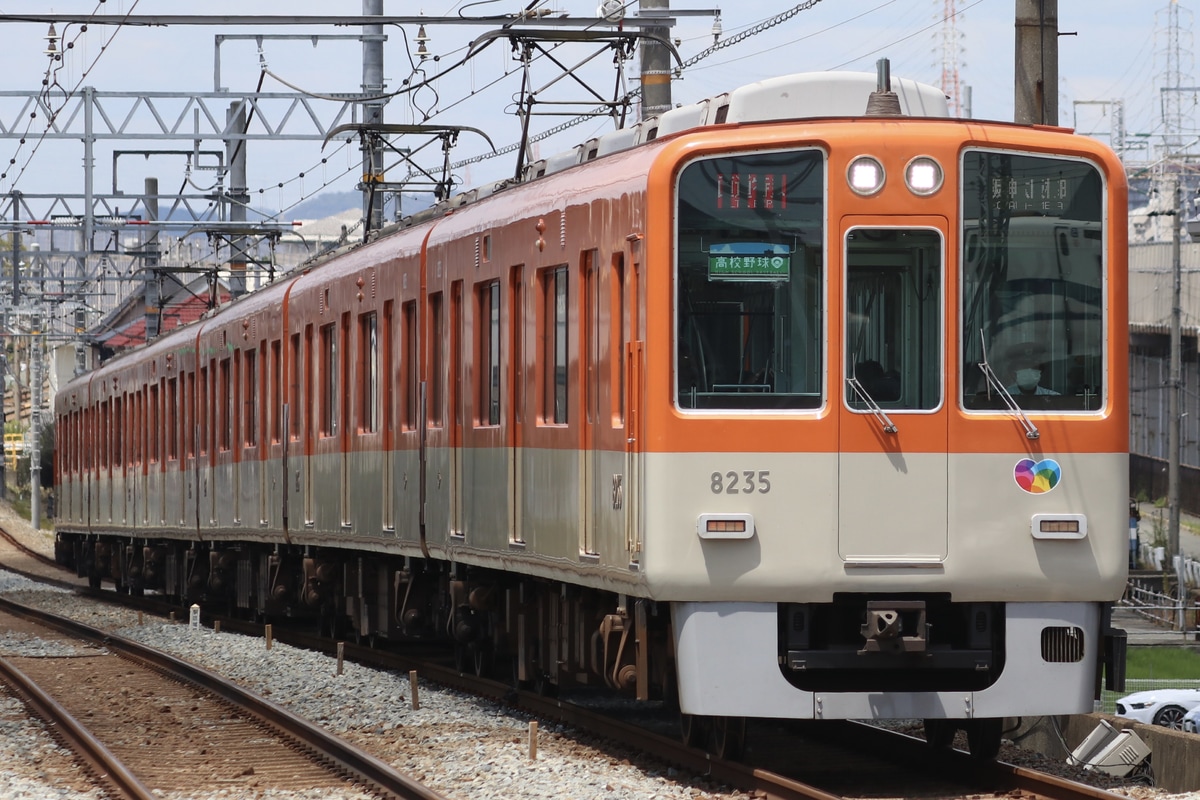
(590, 446)
(306, 430)
(635, 359)
(387, 409)
(516, 408)
(893, 429)
(456, 409)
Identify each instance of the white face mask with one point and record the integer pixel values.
(1027, 379)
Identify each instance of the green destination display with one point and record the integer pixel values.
(749, 261)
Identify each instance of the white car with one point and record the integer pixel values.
(1191, 720)
(1165, 707)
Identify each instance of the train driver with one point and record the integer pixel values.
(1027, 361)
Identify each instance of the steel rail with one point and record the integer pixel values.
(97, 759)
(359, 765)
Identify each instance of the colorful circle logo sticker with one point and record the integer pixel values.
(1037, 477)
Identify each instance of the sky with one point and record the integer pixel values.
(1109, 50)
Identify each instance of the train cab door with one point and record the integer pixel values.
(892, 500)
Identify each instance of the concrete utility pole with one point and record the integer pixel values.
(151, 296)
(239, 196)
(1174, 389)
(1036, 80)
(656, 66)
(372, 86)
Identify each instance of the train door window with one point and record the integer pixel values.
(387, 354)
(328, 373)
(295, 413)
(189, 420)
(368, 378)
(748, 289)
(139, 429)
(106, 428)
(172, 422)
(516, 302)
(488, 303)
(275, 401)
(1033, 278)
(437, 341)
(202, 416)
(617, 333)
(224, 405)
(408, 323)
(554, 356)
(893, 327)
(343, 377)
(153, 429)
(250, 398)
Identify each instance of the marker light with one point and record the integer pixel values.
(865, 175)
(923, 176)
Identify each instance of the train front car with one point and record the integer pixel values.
(891, 422)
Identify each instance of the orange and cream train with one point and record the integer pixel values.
(766, 405)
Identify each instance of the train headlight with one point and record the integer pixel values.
(865, 176)
(923, 175)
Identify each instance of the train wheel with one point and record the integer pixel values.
(983, 737)
(729, 738)
(939, 733)
(694, 730)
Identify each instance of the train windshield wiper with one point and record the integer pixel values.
(1031, 431)
(865, 397)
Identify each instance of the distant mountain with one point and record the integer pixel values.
(331, 203)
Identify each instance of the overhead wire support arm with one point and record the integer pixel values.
(528, 41)
(448, 134)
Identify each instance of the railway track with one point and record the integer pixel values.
(825, 761)
(148, 723)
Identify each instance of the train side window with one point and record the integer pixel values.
(554, 355)
(328, 373)
(409, 386)
(488, 356)
(368, 372)
(250, 398)
(1033, 275)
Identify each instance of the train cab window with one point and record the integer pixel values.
(893, 327)
(748, 282)
(1033, 277)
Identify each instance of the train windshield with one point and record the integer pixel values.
(748, 281)
(1033, 282)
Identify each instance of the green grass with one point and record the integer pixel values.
(1163, 663)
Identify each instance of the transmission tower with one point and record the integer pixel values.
(1176, 55)
(951, 48)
